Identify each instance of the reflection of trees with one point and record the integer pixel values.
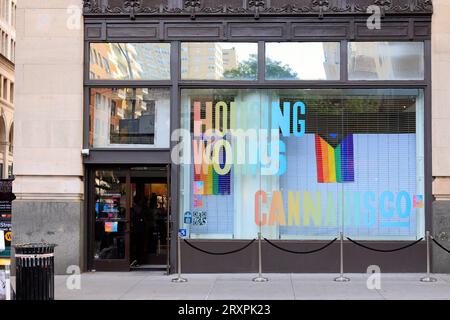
(248, 69)
(337, 105)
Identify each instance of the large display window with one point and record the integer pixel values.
(302, 164)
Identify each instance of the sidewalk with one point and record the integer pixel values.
(153, 286)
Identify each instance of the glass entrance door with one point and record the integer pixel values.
(129, 215)
(112, 217)
(149, 218)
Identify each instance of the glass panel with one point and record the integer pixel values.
(110, 214)
(130, 117)
(303, 61)
(303, 164)
(149, 216)
(219, 61)
(129, 61)
(386, 61)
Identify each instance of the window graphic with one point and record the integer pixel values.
(209, 182)
(357, 164)
(334, 164)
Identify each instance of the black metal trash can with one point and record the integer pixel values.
(35, 271)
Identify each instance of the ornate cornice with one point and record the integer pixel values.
(319, 8)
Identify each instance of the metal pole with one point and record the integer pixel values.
(179, 278)
(260, 278)
(428, 278)
(341, 277)
(7, 282)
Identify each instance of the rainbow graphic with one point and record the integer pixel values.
(418, 201)
(207, 182)
(111, 227)
(335, 164)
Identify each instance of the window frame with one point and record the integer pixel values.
(109, 104)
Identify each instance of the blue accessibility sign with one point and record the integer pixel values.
(187, 217)
(183, 233)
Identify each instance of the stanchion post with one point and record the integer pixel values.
(428, 278)
(179, 279)
(7, 282)
(341, 277)
(260, 278)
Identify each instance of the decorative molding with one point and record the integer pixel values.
(319, 8)
(132, 6)
(192, 5)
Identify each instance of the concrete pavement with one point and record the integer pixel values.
(155, 286)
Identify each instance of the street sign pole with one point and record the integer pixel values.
(179, 279)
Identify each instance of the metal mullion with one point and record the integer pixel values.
(261, 71)
(175, 123)
(86, 61)
(344, 60)
(86, 94)
(128, 84)
(86, 117)
(428, 137)
(125, 149)
(305, 85)
(128, 215)
(216, 83)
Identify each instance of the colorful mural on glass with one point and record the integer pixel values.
(211, 183)
(355, 164)
(335, 164)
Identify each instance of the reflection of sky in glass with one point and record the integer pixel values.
(307, 59)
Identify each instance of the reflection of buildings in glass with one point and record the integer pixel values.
(100, 64)
(368, 62)
(101, 103)
(129, 116)
(230, 59)
(110, 111)
(206, 60)
(108, 61)
(139, 126)
(154, 61)
(130, 61)
(125, 58)
(114, 116)
(332, 60)
(384, 60)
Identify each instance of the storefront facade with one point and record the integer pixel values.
(319, 124)
(295, 119)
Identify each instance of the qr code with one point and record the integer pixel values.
(199, 218)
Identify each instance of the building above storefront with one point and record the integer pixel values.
(319, 8)
(302, 20)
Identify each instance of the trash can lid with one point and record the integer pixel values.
(35, 248)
